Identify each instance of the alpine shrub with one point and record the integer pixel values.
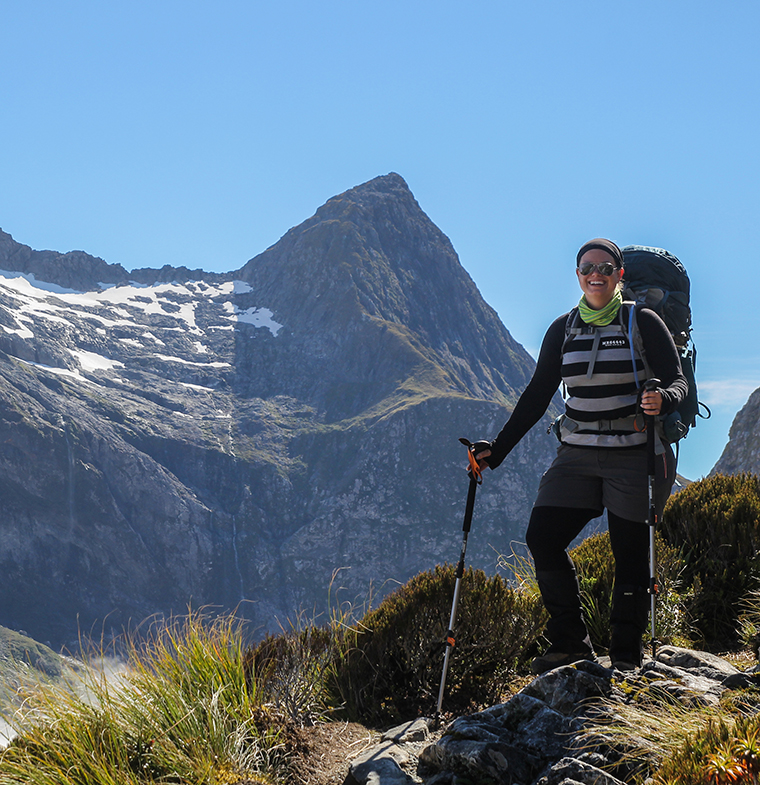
(715, 523)
(393, 669)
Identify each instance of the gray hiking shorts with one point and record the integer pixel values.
(605, 477)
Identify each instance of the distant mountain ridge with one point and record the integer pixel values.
(742, 452)
(78, 270)
(172, 437)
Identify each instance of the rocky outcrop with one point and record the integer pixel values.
(239, 440)
(548, 733)
(742, 452)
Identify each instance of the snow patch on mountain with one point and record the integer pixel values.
(165, 307)
(90, 361)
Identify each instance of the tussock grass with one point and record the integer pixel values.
(182, 712)
(668, 744)
(649, 735)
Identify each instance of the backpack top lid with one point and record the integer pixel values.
(656, 278)
(654, 267)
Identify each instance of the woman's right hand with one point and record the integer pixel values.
(651, 402)
(479, 456)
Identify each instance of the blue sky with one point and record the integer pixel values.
(197, 133)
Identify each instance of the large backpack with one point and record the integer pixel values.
(656, 278)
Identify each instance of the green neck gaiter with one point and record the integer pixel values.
(604, 316)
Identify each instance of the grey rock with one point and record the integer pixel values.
(380, 766)
(547, 733)
(416, 730)
(739, 681)
(701, 662)
(442, 778)
(626, 758)
(688, 686)
(482, 760)
(741, 453)
(593, 759)
(566, 689)
(517, 737)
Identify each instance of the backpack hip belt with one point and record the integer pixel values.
(623, 432)
(632, 424)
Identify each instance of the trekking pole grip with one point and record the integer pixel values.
(650, 385)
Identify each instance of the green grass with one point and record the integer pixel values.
(181, 712)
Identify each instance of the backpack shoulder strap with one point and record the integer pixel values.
(573, 327)
(631, 326)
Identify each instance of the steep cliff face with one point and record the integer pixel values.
(742, 453)
(218, 439)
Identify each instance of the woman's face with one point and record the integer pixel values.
(598, 288)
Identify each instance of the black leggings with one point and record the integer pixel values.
(552, 529)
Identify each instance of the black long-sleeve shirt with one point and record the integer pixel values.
(662, 358)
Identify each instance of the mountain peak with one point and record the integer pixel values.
(383, 182)
(383, 185)
(371, 201)
(369, 267)
(72, 270)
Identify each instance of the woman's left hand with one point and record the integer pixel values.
(651, 402)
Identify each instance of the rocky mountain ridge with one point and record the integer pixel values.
(742, 452)
(80, 271)
(239, 439)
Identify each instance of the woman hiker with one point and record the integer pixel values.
(601, 462)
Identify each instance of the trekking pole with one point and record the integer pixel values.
(650, 385)
(476, 478)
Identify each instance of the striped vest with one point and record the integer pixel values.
(602, 393)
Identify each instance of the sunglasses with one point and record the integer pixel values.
(604, 268)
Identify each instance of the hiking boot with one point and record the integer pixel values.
(551, 660)
(623, 665)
